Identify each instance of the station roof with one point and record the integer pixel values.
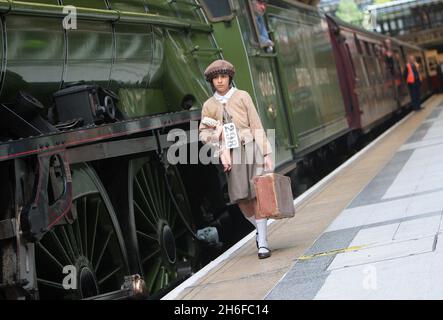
(396, 4)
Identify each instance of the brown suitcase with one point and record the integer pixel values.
(274, 196)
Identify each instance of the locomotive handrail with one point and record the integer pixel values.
(259, 53)
(26, 8)
(197, 48)
(196, 5)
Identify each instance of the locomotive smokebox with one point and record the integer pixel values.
(90, 103)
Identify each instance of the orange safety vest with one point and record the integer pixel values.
(410, 78)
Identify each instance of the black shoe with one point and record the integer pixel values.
(264, 255)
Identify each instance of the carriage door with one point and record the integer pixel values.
(267, 88)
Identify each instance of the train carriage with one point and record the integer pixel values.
(372, 91)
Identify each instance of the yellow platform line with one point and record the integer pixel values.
(328, 253)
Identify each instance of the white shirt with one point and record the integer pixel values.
(226, 97)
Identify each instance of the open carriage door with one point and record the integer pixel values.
(266, 84)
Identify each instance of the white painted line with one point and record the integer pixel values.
(204, 271)
(306, 195)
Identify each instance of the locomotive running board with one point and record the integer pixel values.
(123, 294)
(54, 142)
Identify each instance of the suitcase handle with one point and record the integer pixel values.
(266, 172)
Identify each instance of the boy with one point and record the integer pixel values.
(231, 106)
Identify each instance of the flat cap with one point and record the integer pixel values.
(219, 67)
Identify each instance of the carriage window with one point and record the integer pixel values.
(399, 63)
(393, 25)
(351, 59)
(368, 49)
(217, 10)
(418, 59)
(358, 44)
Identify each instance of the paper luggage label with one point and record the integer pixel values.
(231, 137)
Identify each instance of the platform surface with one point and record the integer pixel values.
(370, 231)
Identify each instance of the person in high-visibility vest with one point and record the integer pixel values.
(413, 80)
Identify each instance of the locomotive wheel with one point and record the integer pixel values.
(93, 243)
(168, 251)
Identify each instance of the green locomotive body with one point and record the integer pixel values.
(147, 58)
(84, 187)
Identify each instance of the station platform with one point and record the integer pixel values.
(372, 229)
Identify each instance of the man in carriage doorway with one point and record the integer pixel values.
(389, 56)
(413, 80)
(259, 8)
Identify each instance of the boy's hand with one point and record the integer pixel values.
(269, 165)
(225, 157)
